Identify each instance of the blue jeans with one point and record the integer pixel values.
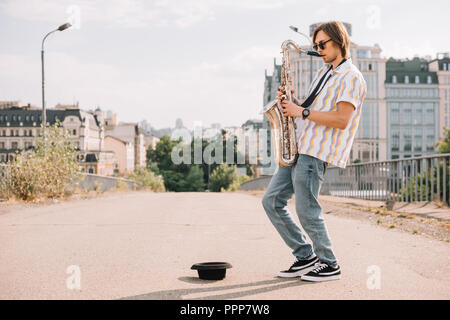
(304, 178)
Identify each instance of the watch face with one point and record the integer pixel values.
(305, 113)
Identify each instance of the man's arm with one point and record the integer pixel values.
(335, 119)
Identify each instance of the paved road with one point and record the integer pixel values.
(141, 246)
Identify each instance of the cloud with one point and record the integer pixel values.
(228, 90)
(132, 13)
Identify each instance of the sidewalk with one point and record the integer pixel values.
(424, 209)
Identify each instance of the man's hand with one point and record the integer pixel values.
(289, 109)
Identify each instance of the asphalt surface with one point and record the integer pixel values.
(141, 245)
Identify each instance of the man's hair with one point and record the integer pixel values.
(337, 33)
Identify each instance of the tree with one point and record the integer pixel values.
(222, 177)
(195, 180)
(444, 145)
(188, 176)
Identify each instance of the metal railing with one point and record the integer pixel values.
(407, 180)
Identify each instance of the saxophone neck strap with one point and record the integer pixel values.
(316, 90)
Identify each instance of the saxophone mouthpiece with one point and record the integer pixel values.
(313, 53)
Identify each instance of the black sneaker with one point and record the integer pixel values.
(323, 272)
(299, 267)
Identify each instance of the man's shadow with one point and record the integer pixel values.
(178, 294)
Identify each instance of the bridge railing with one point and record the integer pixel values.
(407, 180)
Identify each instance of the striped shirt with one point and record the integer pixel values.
(333, 145)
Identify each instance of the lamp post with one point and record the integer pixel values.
(60, 28)
(295, 29)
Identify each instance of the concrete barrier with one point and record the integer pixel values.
(256, 184)
(91, 181)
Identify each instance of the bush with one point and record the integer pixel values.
(222, 177)
(121, 185)
(44, 171)
(97, 186)
(148, 179)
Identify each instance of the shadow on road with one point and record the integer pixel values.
(178, 294)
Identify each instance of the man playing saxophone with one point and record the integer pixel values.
(327, 122)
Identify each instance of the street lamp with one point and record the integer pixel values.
(295, 29)
(60, 28)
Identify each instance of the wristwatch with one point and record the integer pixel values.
(305, 113)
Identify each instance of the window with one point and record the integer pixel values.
(2, 145)
(74, 132)
(430, 132)
(406, 79)
(407, 145)
(430, 143)
(395, 141)
(395, 118)
(14, 145)
(428, 79)
(394, 79)
(1, 118)
(14, 118)
(417, 113)
(429, 114)
(418, 144)
(363, 53)
(407, 118)
(417, 79)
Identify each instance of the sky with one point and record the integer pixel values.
(202, 61)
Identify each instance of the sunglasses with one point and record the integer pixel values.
(321, 45)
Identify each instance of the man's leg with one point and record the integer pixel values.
(307, 179)
(275, 200)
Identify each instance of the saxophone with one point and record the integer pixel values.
(283, 128)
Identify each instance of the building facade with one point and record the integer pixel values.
(19, 126)
(413, 104)
(131, 133)
(441, 65)
(124, 152)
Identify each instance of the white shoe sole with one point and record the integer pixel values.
(297, 273)
(320, 279)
